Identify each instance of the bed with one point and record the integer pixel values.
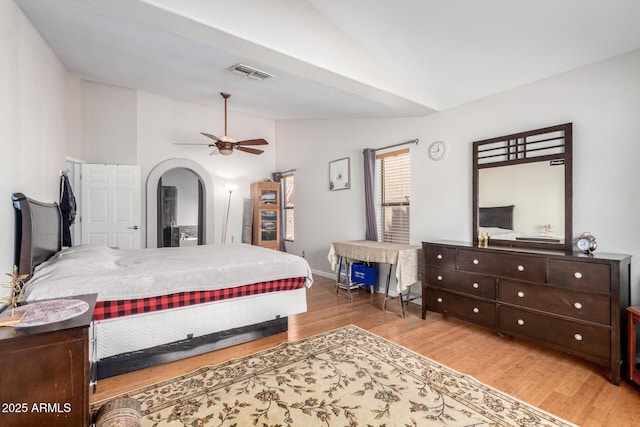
(497, 222)
(158, 305)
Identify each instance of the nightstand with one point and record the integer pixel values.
(45, 372)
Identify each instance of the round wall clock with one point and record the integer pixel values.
(437, 150)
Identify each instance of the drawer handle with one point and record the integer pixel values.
(439, 277)
(475, 285)
(439, 299)
(520, 322)
(439, 256)
(577, 275)
(476, 262)
(520, 294)
(577, 305)
(521, 268)
(578, 337)
(476, 310)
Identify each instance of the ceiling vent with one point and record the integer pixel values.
(251, 72)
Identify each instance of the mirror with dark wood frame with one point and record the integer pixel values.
(522, 189)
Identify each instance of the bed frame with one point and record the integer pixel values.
(38, 236)
(499, 216)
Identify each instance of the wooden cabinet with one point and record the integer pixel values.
(568, 301)
(266, 214)
(634, 320)
(45, 372)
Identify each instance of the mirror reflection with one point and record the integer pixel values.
(180, 207)
(531, 193)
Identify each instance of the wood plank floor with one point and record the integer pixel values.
(573, 389)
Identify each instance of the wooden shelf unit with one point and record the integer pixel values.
(266, 214)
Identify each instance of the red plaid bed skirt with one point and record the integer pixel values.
(113, 309)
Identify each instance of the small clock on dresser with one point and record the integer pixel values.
(587, 242)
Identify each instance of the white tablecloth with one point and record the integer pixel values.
(405, 257)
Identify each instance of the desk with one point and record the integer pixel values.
(404, 257)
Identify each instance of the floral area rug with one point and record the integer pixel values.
(344, 377)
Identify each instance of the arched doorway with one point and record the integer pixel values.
(205, 222)
(180, 209)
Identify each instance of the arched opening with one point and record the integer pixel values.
(180, 209)
(154, 206)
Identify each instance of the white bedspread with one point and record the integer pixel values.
(126, 274)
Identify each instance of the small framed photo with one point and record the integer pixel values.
(340, 174)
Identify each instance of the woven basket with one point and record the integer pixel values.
(120, 412)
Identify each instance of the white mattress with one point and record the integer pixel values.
(132, 333)
(127, 274)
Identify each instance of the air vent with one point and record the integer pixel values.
(251, 72)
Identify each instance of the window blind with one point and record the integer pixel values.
(393, 186)
(288, 207)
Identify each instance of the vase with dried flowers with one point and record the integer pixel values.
(16, 285)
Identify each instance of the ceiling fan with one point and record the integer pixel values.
(225, 144)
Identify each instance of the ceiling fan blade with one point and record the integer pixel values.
(249, 150)
(259, 141)
(215, 152)
(208, 135)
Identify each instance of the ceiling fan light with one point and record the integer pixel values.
(226, 151)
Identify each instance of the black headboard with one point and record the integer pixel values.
(38, 232)
(499, 216)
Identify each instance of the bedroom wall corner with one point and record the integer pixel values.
(602, 100)
(32, 117)
(162, 121)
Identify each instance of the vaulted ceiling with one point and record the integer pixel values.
(332, 58)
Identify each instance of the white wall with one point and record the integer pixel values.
(149, 125)
(47, 115)
(163, 121)
(110, 124)
(32, 120)
(602, 100)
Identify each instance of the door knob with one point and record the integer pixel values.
(135, 227)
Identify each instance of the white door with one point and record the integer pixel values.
(110, 205)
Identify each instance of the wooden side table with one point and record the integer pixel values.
(633, 314)
(45, 372)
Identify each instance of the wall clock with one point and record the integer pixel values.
(437, 150)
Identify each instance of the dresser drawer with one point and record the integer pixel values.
(574, 337)
(472, 284)
(582, 276)
(440, 256)
(583, 306)
(520, 267)
(476, 311)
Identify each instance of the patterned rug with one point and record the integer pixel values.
(344, 377)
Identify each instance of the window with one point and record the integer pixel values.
(287, 206)
(393, 188)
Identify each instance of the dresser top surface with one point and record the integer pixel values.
(595, 256)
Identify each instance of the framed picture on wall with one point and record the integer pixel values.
(339, 174)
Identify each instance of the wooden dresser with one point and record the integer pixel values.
(568, 301)
(45, 372)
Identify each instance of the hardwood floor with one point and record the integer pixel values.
(568, 387)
